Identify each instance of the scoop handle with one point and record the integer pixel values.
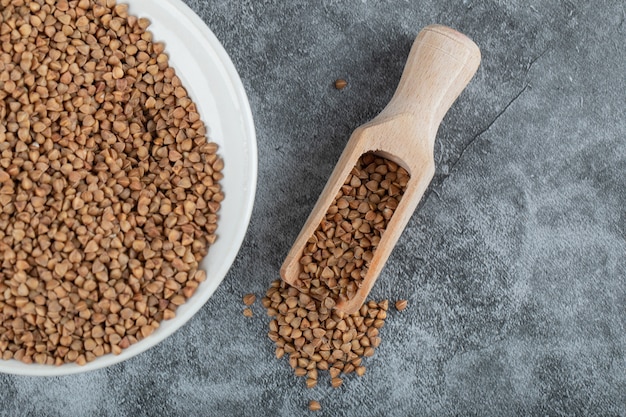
(441, 63)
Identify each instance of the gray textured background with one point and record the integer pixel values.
(513, 265)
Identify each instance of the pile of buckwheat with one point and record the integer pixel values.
(315, 336)
(108, 187)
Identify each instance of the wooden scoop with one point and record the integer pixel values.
(441, 63)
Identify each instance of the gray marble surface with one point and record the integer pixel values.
(514, 264)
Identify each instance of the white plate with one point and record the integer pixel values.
(214, 85)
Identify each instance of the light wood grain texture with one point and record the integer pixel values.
(441, 63)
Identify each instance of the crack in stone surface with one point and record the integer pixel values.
(537, 58)
(479, 134)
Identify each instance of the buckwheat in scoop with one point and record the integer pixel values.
(338, 255)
